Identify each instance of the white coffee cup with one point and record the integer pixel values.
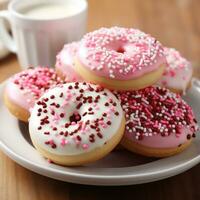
(37, 37)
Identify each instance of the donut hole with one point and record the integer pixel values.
(75, 117)
(120, 50)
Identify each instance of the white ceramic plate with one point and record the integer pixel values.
(118, 168)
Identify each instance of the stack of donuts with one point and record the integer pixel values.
(116, 86)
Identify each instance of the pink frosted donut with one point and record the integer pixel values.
(76, 123)
(65, 62)
(158, 122)
(120, 58)
(24, 88)
(178, 73)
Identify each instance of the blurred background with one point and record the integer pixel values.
(176, 23)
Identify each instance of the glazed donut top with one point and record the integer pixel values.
(157, 111)
(75, 118)
(120, 53)
(27, 86)
(65, 62)
(178, 72)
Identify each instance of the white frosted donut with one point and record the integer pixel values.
(76, 123)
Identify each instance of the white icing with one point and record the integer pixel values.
(68, 107)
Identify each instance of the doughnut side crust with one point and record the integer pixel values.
(134, 84)
(19, 112)
(153, 152)
(84, 158)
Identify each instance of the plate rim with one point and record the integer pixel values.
(38, 168)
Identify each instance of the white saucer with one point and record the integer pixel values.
(118, 168)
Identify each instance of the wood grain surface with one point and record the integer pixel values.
(175, 23)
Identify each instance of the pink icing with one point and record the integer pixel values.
(120, 53)
(156, 117)
(65, 62)
(178, 72)
(27, 86)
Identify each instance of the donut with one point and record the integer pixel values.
(76, 123)
(120, 58)
(65, 63)
(24, 88)
(158, 122)
(178, 72)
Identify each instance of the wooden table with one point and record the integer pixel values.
(175, 23)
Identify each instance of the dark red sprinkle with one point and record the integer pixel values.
(81, 90)
(66, 134)
(114, 104)
(106, 104)
(70, 87)
(90, 88)
(53, 112)
(40, 110)
(109, 122)
(61, 133)
(99, 135)
(188, 136)
(52, 97)
(193, 135)
(116, 113)
(97, 129)
(62, 115)
(53, 146)
(39, 128)
(57, 106)
(67, 125)
(79, 105)
(46, 133)
(91, 113)
(89, 100)
(46, 99)
(104, 114)
(39, 103)
(45, 111)
(85, 113)
(39, 114)
(78, 138)
(61, 95)
(54, 129)
(92, 127)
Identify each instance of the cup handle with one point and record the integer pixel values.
(6, 38)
